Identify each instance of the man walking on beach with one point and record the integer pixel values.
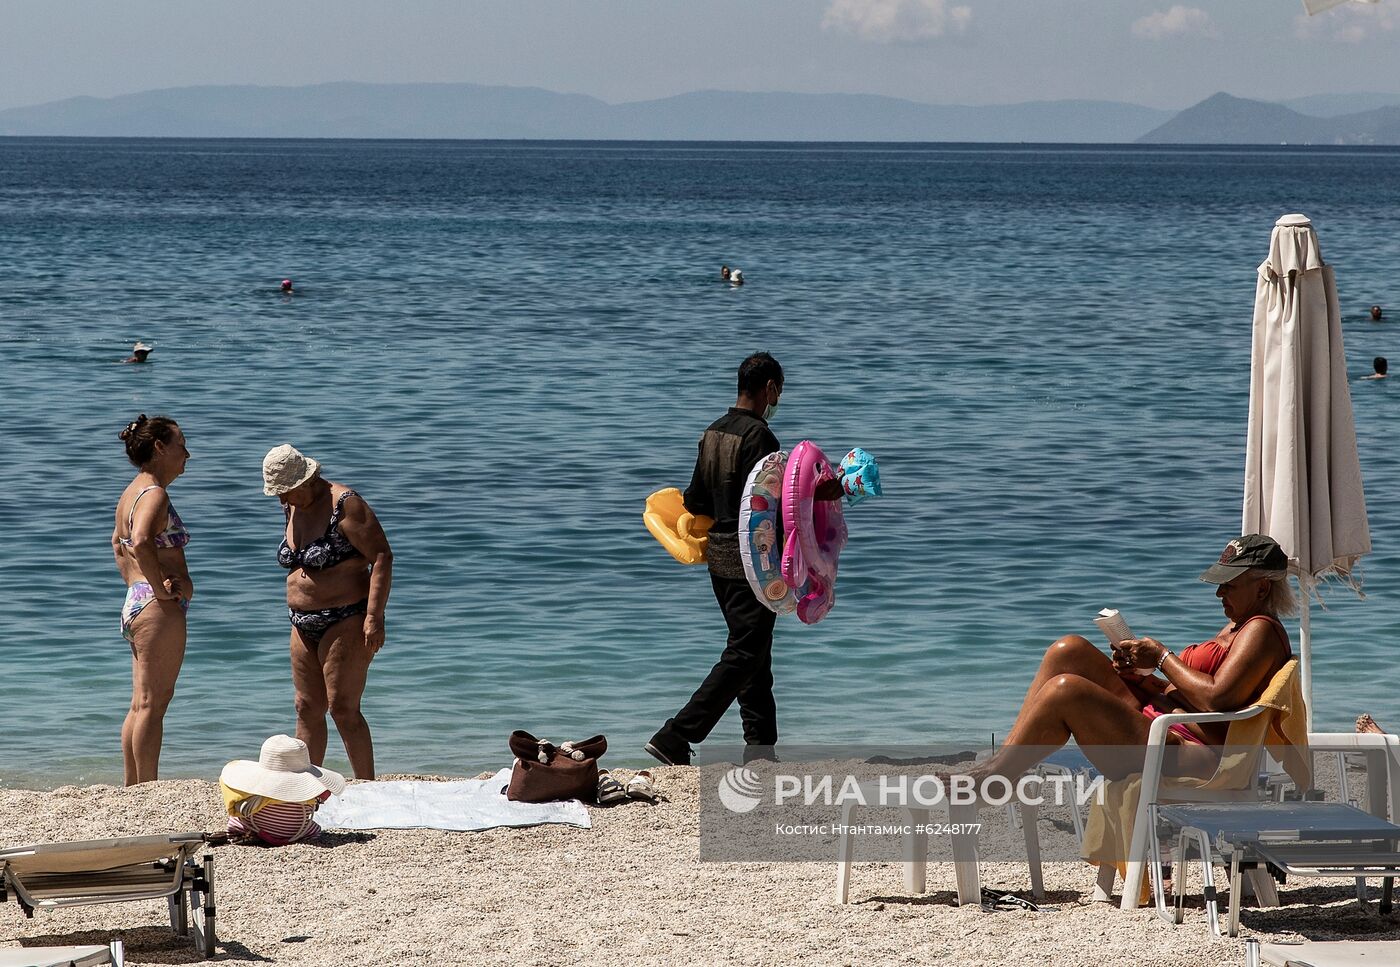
(728, 451)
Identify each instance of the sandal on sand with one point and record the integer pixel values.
(609, 789)
(641, 786)
(992, 900)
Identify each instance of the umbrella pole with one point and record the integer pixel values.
(1305, 585)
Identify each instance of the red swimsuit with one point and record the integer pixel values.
(1207, 657)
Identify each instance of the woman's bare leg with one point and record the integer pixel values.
(157, 652)
(1071, 655)
(345, 664)
(308, 681)
(1111, 732)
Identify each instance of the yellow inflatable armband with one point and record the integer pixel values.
(683, 534)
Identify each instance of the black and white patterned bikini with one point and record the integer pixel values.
(324, 552)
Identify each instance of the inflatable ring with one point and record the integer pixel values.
(684, 535)
(761, 533)
(815, 532)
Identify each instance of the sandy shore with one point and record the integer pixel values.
(629, 891)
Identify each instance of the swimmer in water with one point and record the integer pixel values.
(286, 286)
(1380, 366)
(724, 273)
(736, 277)
(139, 352)
(1375, 313)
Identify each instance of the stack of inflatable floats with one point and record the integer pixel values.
(789, 540)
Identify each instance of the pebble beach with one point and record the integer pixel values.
(630, 890)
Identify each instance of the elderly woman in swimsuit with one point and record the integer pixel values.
(1107, 704)
(339, 569)
(148, 543)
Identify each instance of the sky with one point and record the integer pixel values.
(1159, 54)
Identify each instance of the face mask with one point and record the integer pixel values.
(769, 410)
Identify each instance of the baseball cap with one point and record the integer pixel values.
(1243, 553)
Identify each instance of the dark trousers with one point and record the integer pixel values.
(743, 672)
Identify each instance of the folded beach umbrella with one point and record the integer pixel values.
(1317, 6)
(1302, 477)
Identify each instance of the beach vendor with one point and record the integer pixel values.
(339, 570)
(1106, 704)
(275, 799)
(729, 449)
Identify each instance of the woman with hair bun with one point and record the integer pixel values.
(148, 542)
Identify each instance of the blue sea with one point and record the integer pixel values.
(506, 346)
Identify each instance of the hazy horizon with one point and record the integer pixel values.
(942, 52)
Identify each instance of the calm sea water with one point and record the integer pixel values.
(506, 347)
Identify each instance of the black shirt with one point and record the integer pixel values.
(729, 449)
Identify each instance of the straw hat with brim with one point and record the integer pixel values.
(283, 772)
(286, 468)
(142, 347)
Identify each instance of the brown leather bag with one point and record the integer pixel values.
(544, 771)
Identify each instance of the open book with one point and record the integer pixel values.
(1112, 624)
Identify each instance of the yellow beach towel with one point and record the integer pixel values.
(1283, 729)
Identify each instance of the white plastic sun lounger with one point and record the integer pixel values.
(91, 956)
(1330, 953)
(49, 876)
(1314, 839)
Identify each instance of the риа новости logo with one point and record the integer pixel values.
(740, 790)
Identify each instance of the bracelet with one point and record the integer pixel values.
(1166, 653)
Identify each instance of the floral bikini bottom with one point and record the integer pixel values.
(138, 596)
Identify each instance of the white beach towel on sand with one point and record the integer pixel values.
(465, 805)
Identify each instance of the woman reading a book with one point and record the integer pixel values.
(1106, 704)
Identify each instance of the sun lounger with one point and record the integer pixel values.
(63, 956)
(916, 846)
(53, 875)
(1331, 953)
(1313, 839)
(1070, 762)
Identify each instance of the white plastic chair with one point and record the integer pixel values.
(1137, 863)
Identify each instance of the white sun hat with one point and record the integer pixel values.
(283, 772)
(286, 468)
(142, 347)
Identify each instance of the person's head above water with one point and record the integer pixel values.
(724, 272)
(1380, 365)
(286, 285)
(1375, 312)
(760, 384)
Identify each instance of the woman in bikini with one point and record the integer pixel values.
(339, 569)
(1107, 704)
(148, 542)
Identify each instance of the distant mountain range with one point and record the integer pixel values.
(354, 110)
(1223, 119)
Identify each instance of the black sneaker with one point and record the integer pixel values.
(668, 751)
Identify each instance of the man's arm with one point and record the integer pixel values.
(697, 497)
